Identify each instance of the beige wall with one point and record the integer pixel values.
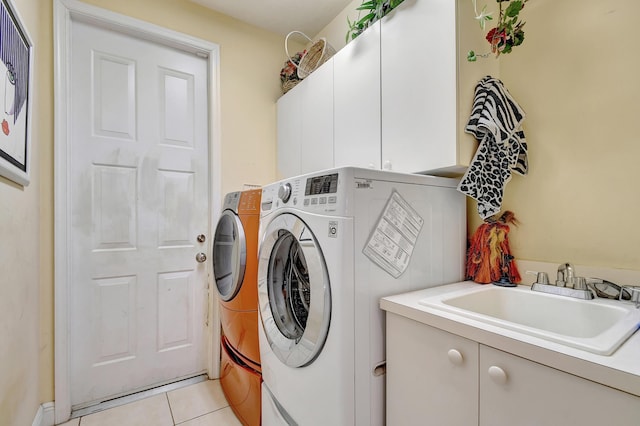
(576, 76)
(336, 31)
(20, 249)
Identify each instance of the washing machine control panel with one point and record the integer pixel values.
(310, 193)
(319, 185)
(284, 192)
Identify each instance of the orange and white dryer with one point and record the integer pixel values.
(235, 264)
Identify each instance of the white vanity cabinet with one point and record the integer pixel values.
(515, 391)
(305, 124)
(432, 375)
(436, 377)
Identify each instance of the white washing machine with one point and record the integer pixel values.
(332, 244)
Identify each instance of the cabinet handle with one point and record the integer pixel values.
(455, 357)
(498, 375)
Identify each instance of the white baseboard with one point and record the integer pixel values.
(45, 416)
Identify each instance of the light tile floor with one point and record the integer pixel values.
(201, 404)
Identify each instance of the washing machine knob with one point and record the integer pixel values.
(284, 192)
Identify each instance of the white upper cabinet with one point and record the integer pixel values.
(397, 97)
(428, 85)
(305, 125)
(357, 101)
(289, 131)
(419, 86)
(316, 137)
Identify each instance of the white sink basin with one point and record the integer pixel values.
(598, 326)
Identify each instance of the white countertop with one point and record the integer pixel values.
(621, 370)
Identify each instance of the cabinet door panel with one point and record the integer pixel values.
(419, 86)
(534, 395)
(426, 384)
(316, 138)
(357, 101)
(289, 131)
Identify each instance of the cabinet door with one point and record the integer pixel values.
(357, 101)
(316, 137)
(419, 86)
(432, 375)
(289, 131)
(520, 392)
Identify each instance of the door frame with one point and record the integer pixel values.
(66, 11)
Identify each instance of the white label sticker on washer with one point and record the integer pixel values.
(333, 229)
(363, 183)
(392, 241)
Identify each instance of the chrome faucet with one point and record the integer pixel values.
(565, 275)
(566, 284)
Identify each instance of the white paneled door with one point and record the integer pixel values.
(139, 197)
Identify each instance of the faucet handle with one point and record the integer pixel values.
(541, 277)
(580, 283)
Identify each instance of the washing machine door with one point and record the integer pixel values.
(293, 291)
(229, 255)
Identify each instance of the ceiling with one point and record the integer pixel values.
(281, 16)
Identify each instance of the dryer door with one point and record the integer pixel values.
(293, 290)
(229, 255)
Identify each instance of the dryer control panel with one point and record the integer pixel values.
(231, 201)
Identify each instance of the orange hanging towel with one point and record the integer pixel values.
(489, 257)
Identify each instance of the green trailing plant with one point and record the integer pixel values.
(508, 32)
(374, 9)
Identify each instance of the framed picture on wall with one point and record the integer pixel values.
(16, 61)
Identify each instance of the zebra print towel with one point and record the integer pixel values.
(495, 121)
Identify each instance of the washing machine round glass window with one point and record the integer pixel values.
(229, 255)
(293, 280)
(292, 296)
